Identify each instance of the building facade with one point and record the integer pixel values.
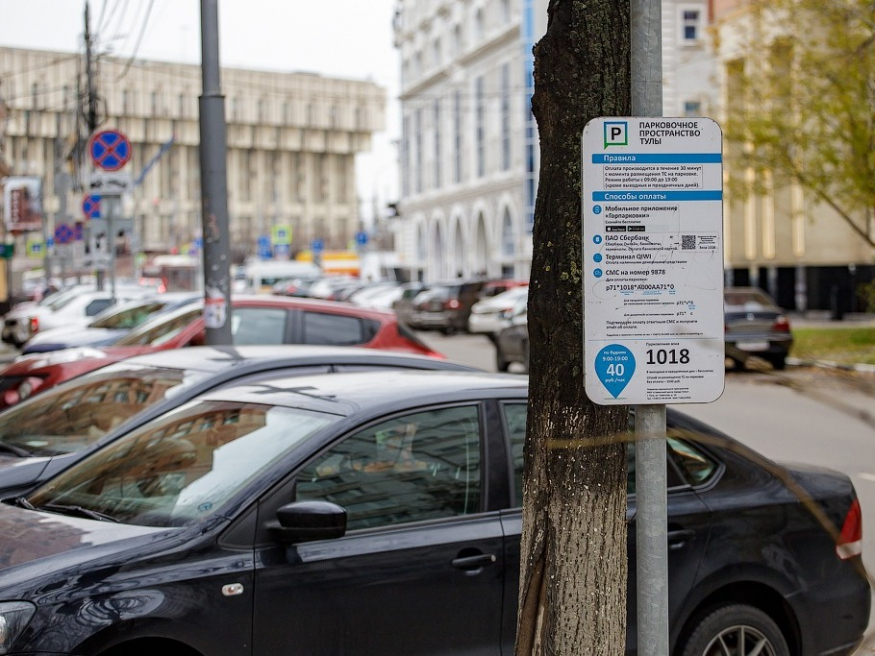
(469, 150)
(781, 237)
(292, 140)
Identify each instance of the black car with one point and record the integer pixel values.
(446, 306)
(379, 513)
(51, 430)
(755, 326)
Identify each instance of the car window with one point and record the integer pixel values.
(412, 468)
(751, 300)
(98, 306)
(158, 332)
(69, 417)
(182, 468)
(693, 466)
(515, 426)
(129, 317)
(252, 325)
(333, 329)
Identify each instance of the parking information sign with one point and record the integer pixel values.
(653, 260)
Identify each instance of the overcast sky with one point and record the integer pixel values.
(339, 38)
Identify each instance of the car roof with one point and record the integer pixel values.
(373, 392)
(218, 358)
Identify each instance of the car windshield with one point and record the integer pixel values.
(128, 317)
(181, 469)
(70, 417)
(162, 328)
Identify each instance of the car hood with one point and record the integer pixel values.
(38, 546)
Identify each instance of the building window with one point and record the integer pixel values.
(417, 135)
(436, 52)
(311, 116)
(437, 144)
(692, 108)
(458, 43)
(480, 125)
(332, 116)
(690, 26)
(322, 191)
(457, 136)
(405, 157)
(342, 179)
(182, 106)
(478, 26)
(261, 111)
(505, 11)
(505, 117)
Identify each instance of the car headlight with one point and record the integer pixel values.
(14, 616)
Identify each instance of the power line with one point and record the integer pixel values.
(139, 40)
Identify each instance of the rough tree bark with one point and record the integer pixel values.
(573, 571)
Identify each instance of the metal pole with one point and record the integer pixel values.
(650, 424)
(214, 183)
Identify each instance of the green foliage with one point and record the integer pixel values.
(802, 102)
(843, 344)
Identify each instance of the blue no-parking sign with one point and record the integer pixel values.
(110, 150)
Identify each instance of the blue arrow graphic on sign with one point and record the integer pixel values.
(615, 365)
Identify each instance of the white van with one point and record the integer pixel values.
(262, 276)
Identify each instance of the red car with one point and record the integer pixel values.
(255, 320)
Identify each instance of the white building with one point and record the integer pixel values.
(469, 154)
(292, 140)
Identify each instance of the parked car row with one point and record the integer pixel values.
(289, 500)
(256, 319)
(448, 306)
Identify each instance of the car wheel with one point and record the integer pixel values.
(778, 362)
(736, 629)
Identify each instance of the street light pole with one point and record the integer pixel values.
(214, 185)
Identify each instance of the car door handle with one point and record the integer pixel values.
(677, 538)
(474, 562)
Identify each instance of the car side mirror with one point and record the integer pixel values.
(306, 521)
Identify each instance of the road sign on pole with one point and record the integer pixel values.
(653, 260)
(91, 206)
(110, 150)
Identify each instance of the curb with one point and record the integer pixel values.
(828, 364)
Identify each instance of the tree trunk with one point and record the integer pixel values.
(574, 569)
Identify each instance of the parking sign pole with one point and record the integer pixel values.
(650, 423)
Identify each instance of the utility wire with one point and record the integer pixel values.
(139, 40)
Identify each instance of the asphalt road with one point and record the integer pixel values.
(812, 415)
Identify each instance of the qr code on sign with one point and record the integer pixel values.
(688, 242)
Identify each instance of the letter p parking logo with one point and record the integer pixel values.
(616, 133)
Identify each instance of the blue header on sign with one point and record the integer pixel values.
(649, 195)
(658, 158)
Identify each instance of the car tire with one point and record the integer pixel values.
(778, 362)
(722, 627)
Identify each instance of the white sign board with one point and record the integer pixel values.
(110, 183)
(653, 260)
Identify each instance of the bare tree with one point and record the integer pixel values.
(574, 568)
